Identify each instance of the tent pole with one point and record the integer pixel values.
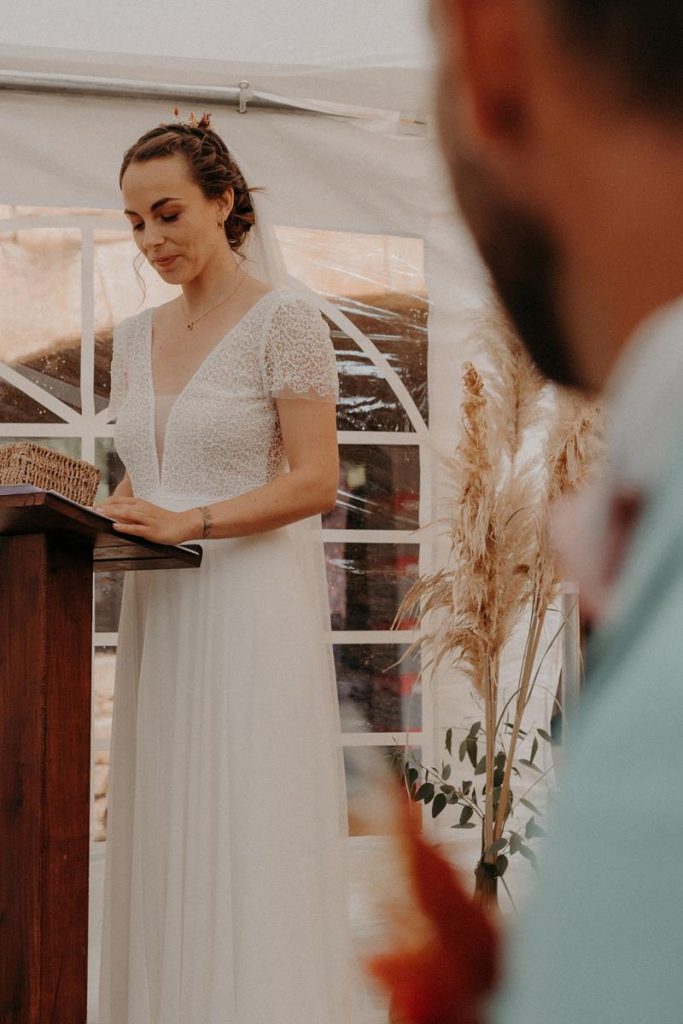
(241, 96)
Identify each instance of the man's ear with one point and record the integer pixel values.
(488, 39)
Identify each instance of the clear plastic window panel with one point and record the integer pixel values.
(66, 445)
(367, 583)
(382, 683)
(379, 488)
(377, 282)
(40, 337)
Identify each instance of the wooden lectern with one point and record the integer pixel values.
(49, 547)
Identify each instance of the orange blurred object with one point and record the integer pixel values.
(447, 978)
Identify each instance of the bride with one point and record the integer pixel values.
(224, 894)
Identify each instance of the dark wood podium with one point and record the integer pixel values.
(49, 547)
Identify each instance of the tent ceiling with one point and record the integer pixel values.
(382, 88)
(379, 51)
(320, 172)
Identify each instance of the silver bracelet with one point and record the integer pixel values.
(207, 520)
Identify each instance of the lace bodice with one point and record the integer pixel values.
(222, 435)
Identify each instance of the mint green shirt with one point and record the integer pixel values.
(601, 939)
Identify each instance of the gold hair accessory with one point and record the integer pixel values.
(204, 122)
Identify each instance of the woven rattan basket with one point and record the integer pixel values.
(28, 463)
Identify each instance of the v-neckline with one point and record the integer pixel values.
(189, 381)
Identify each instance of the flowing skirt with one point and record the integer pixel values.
(225, 895)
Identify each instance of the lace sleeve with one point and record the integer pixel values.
(119, 377)
(298, 357)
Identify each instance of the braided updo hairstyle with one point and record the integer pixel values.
(212, 167)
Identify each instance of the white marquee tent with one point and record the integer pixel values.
(338, 126)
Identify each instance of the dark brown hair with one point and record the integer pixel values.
(211, 164)
(639, 42)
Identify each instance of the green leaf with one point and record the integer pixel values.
(545, 735)
(529, 804)
(449, 740)
(466, 786)
(472, 751)
(462, 752)
(496, 847)
(453, 797)
(515, 842)
(440, 802)
(465, 815)
(474, 731)
(411, 775)
(529, 854)
(480, 767)
(498, 776)
(500, 759)
(530, 764)
(501, 865)
(425, 792)
(468, 824)
(533, 829)
(534, 749)
(446, 773)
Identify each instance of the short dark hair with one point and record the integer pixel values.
(639, 42)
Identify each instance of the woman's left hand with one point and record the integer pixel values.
(143, 519)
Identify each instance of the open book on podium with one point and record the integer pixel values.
(49, 548)
(28, 509)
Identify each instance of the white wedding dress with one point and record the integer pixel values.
(224, 898)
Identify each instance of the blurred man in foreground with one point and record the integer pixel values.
(562, 125)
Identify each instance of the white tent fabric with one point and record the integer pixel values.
(356, 33)
(369, 54)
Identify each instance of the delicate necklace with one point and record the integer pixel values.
(190, 324)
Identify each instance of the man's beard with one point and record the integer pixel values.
(523, 261)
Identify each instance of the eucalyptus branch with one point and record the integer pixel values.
(507, 890)
(443, 782)
(537, 620)
(532, 786)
